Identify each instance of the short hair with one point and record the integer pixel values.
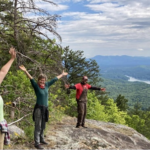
(41, 76)
(84, 78)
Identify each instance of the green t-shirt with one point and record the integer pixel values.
(42, 94)
(1, 109)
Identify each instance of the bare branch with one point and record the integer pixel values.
(19, 119)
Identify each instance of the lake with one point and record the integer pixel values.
(132, 79)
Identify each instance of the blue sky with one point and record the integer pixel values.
(104, 27)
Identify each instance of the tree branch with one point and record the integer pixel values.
(19, 119)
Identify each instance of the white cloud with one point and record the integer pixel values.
(107, 29)
(115, 10)
(50, 7)
(140, 49)
(63, 1)
(122, 2)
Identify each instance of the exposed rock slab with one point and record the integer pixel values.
(98, 135)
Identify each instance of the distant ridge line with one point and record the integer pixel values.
(123, 60)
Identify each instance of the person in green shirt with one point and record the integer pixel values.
(40, 114)
(3, 72)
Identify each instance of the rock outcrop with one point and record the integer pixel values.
(98, 135)
(15, 131)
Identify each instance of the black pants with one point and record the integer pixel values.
(81, 113)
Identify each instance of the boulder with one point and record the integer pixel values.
(15, 131)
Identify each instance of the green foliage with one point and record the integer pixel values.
(78, 66)
(132, 91)
(43, 55)
(137, 109)
(28, 126)
(121, 102)
(139, 120)
(135, 122)
(56, 112)
(17, 88)
(16, 83)
(113, 112)
(5, 5)
(97, 111)
(71, 104)
(18, 80)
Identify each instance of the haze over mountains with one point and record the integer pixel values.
(120, 61)
(114, 66)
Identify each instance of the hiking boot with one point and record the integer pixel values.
(39, 146)
(78, 126)
(84, 126)
(43, 142)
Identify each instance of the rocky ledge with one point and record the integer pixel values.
(98, 135)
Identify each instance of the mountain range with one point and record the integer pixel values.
(120, 61)
(114, 71)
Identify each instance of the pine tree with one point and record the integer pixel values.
(121, 102)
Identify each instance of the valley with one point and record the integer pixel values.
(128, 76)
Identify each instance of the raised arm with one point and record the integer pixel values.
(7, 66)
(67, 86)
(26, 72)
(96, 88)
(103, 89)
(56, 78)
(61, 75)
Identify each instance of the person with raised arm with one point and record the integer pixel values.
(3, 72)
(40, 113)
(81, 98)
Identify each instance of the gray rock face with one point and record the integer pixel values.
(98, 135)
(15, 131)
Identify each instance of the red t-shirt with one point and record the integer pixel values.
(79, 89)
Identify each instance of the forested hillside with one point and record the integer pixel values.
(141, 72)
(135, 92)
(114, 71)
(40, 54)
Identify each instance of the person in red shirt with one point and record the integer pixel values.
(81, 97)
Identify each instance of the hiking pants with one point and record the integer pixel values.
(81, 108)
(39, 127)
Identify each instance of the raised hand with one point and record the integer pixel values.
(61, 75)
(22, 68)
(67, 86)
(64, 73)
(103, 89)
(26, 72)
(12, 52)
